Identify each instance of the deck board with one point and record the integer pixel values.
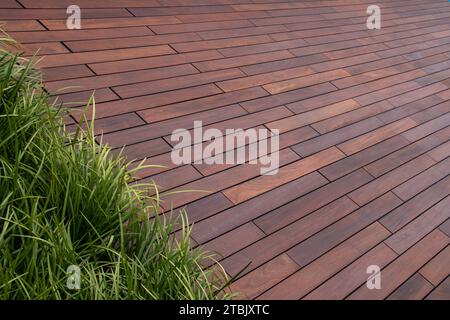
(364, 120)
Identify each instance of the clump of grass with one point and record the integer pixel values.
(65, 200)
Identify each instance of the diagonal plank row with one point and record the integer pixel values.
(363, 116)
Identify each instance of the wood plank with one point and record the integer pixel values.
(404, 267)
(240, 32)
(363, 158)
(423, 180)
(306, 81)
(442, 292)
(165, 127)
(415, 230)
(65, 72)
(263, 250)
(304, 280)
(130, 42)
(285, 174)
(427, 128)
(256, 207)
(68, 35)
(89, 4)
(32, 49)
(152, 101)
(172, 178)
(351, 117)
(60, 13)
(441, 152)
(246, 121)
(141, 150)
(117, 79)
(223, 180)
(155, 86)
(112, 22)
(332, 138)
(287, 97)
(403, 155)
(201, 104)
(366, 140)
(21, 25)
(290, 212)
(390, 180)
(404, 214)
(220, 16)
(153, 62)
(241, 61)
(351, 277)
(286, 140)
(415, 288)
(184, 46)
(438, 268)
(64, 59)
(198, 27)
(115, 123)
(82, 98)
(252, 81)
(409, 109)
(329, 237)
(9, 4)
(261, 279)
(234, 240)
(445, 227)
(312, 116)
(283, 64)
(172, 10)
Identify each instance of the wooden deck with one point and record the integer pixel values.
(364, 118)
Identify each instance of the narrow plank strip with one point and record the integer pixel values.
(404, 214)
(283, 239)
(438, 268)
(301, 207)
(404, 267)
(261, 279)
(282, 86)
(442, 292)
(415, 288)
(101, 56)
(350, 278)
(254, 187)
(415, 230)
(315, 273)
(329, 237)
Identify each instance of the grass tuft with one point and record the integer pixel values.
(66, 201)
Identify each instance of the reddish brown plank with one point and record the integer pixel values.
(442, 292)
(415, 230)
(281, 240)
(350, 278)
(323, 241)
(261, 279)
(438, 268)
(322, 268)
(101, 56)
(415, 206)
(404, 266)
(415, 288)
(291, 172)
